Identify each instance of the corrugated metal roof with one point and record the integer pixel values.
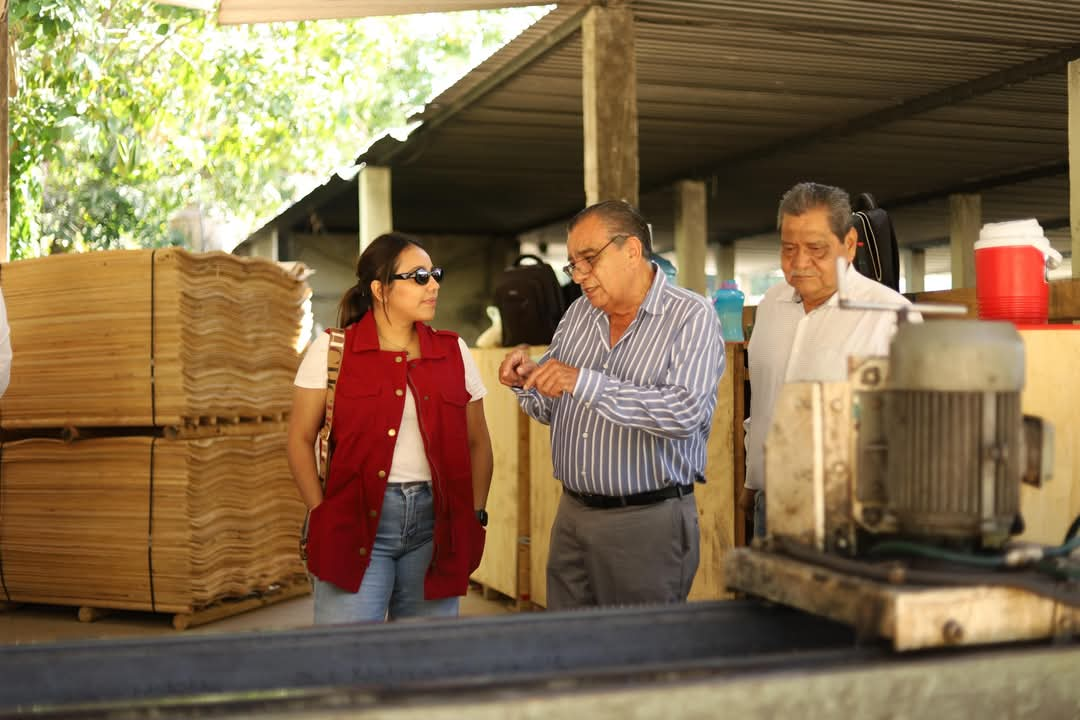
(234, 12)
(910, 100)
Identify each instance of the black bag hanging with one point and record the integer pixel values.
(877, 255)
(530, 301)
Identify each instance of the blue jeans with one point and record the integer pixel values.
(759, 513)
(393, 585)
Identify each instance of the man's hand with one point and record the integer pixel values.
(516, 367)
(553, 378)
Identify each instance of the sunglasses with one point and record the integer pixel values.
(421, 275)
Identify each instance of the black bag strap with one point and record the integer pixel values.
(872, 249)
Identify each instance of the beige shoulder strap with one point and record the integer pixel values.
(333, 366)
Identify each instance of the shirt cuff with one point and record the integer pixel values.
(590, 386)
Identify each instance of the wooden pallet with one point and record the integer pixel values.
(913, 617)
(229, 607)
(219, 610)
(192, 428)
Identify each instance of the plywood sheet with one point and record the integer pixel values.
(1052, 392)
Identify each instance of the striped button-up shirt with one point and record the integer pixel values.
(640, 414)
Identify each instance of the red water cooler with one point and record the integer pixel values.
(1011, 261)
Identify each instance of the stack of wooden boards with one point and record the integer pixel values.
(141, 338)
(177, 369)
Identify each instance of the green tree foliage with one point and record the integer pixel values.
(128, 111)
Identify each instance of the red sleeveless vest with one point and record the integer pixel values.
(369, 402)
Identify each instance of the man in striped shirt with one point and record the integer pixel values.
(628, 386)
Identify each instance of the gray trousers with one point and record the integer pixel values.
(759, 514)
(622, 556)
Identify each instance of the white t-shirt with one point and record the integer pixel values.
(791, 345)
(410, 462)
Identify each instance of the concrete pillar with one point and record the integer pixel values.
(1074, 163)
(376, 209)
(274, 245)
(965, 220)
(609, 98)
(690, 234)
(914, 269)
(725, 262)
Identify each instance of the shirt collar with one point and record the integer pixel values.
(652, 303)
(366, 337)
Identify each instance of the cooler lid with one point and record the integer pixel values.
(1017, 233)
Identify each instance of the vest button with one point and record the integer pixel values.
(397, 359)
(391, 432)
(373, 513)
(399, 392)
(362, 551)
(382, 473)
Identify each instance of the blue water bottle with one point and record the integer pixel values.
(728, 302)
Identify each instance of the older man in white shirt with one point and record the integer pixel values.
(800, 332)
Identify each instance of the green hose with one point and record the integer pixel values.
(901, 547)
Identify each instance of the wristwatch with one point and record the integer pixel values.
(481, 517)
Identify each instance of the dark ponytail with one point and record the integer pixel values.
(377, 262)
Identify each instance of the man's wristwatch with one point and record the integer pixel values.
(481, 517)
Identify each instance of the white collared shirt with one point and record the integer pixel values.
(790, 345)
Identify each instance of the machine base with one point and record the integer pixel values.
(912, 617)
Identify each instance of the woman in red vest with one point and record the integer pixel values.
(399, 526)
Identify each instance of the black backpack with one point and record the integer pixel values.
(530, 302)
(877, 255)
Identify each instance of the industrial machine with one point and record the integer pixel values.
(893, 497)
(927, 445)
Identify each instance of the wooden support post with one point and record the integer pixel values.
(609, 97)
(274, 245)
(965, 220)
(725, 263)
(376, 208)
(1074, 163)
(524, 594)
(690, 234)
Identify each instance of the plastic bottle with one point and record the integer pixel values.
(728, 303)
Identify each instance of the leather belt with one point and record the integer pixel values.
(645, 498)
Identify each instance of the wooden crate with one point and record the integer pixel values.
(1052, 392)
(1064, 300)
(504, 568)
